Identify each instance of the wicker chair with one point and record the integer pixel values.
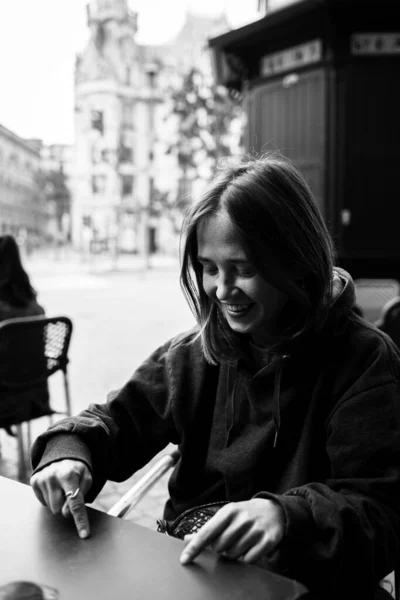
(31, 350)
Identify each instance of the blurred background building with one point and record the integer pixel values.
(56, 165)
(127, 176)
(23, 209)
(149, 127)
(315, 79)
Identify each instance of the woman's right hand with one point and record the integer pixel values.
(56, 485)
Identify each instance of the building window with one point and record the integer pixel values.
(125, 148)
(125, 154)
(127, 114)
(127, 185)
(97, 121)
(95, 154)
(98, 184)
(13, 159)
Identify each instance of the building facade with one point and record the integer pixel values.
(23, 210)
(56, 164)
(115, 103)
(121, 166)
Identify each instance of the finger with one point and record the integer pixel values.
(205, 536)
(242, 545)
(55, 497)
(188, 537)
(76, 505)
(230, 536)
(85, 482)
(38, 492)
(257, 551)
(65, 510)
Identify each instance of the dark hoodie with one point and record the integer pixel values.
(317, 430)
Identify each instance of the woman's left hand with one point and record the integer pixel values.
(247, 530)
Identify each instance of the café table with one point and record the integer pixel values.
(120, 561)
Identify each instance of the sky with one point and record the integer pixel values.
(38, 43)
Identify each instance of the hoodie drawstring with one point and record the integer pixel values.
(231, 383)
(232, 377)
(277, 399)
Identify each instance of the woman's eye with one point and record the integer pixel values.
(209, 269)
(246, 272)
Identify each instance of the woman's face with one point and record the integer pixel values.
(250, 304)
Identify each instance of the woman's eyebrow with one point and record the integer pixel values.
(231, 260)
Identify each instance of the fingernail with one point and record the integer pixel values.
(184, 558)
(83, 533)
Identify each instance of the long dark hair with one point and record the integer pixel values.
(15, 287)
(282, 233)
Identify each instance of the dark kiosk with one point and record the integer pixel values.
(321, 82)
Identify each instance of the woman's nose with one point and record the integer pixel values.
(224, 288)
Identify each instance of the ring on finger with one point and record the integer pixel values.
(71, 494)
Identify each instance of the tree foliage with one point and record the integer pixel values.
(208, 124)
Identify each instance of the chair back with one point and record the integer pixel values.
(32, 349)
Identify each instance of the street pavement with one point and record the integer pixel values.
(121, 312)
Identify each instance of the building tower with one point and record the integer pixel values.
(111, 154)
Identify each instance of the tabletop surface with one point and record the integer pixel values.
(120, 560)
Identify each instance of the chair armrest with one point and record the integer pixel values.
(139, 489)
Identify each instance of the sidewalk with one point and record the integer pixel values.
(69, 261)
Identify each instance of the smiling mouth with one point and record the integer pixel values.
(237, 310)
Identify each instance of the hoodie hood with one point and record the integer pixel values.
(343, 290)
(343, 297)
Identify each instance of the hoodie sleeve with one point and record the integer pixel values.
(119, 437)
(346, 529)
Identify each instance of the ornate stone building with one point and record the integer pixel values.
(113, 94)
(23, 212)
(120, 108)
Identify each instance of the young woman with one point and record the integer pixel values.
(17, 296)
(283, 401)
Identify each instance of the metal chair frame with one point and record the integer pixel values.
(55, 332)
(137, 491)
